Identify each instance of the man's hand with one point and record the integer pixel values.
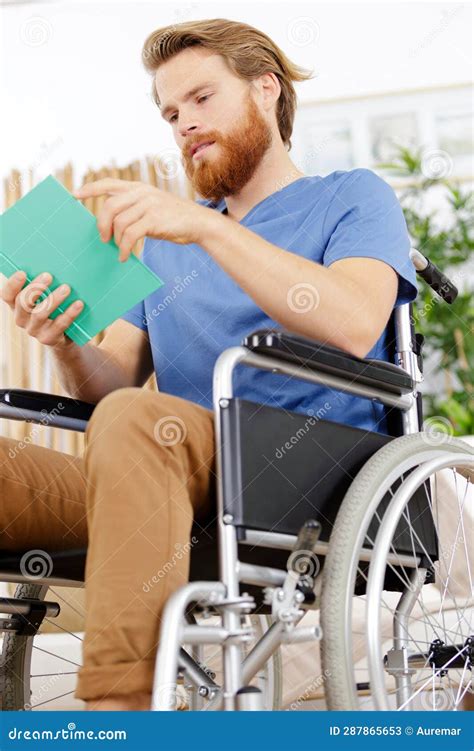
(134, 210)
(34, 318)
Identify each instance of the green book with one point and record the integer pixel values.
(50, 230)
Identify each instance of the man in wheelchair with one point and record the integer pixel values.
(266, 248)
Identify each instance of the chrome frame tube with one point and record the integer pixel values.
(204, 634)
(233, 356)
(164, 683)
(407, 360)
(263, 650)
(287, 542)
(197, 655)
(227, 537)
(401, 617)
(258, 656)
(261, 575)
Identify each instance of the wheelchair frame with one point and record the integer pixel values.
(225, 594)
(288, 600)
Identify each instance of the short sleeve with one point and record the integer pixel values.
(136, 315)
(365, 219)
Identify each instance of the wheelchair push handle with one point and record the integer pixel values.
(433, 276)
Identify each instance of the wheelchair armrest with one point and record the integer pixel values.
(311, 354)
(45, 409)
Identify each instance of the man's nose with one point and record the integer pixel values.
(187, 129)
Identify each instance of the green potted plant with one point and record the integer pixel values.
(447, 328)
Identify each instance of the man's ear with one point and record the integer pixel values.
(270, 89)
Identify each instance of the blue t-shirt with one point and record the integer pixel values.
(200, 310)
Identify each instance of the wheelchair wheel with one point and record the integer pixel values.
(23, 684)
(397, 601)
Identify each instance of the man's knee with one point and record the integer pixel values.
(126, 412)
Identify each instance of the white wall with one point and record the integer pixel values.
(73, 87)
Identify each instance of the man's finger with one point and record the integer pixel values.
(12, 287)
(106, 185)
(125, 218)
(113, 206)
(132, 234)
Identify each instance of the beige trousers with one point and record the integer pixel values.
(148, 470)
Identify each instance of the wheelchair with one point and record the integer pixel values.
(355, 526)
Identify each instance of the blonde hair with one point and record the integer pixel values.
(248, 52)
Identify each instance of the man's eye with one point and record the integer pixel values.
(200, 99)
